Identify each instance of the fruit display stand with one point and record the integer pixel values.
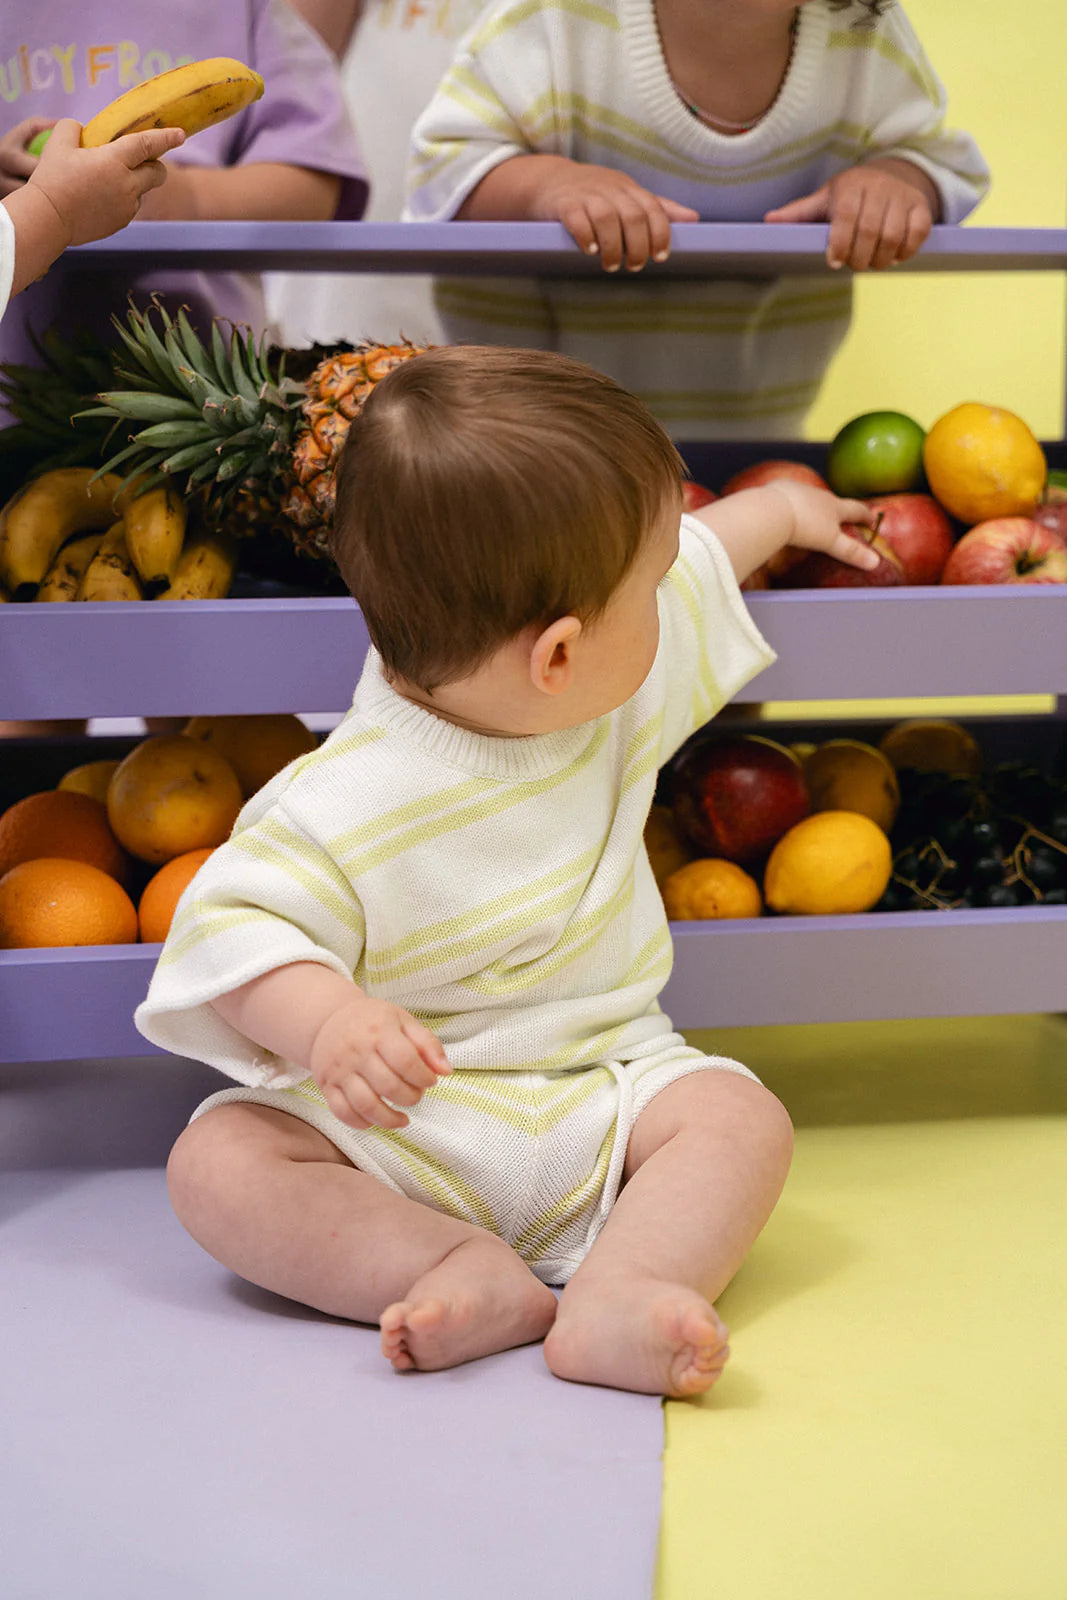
(303, 653)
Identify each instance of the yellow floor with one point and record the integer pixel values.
(893, 1423)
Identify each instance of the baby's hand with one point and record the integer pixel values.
(368, 1051)
(817, 523)
(16, 163)
(96, 192)
(607, 212)
(876, 216)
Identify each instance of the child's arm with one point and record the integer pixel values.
(259, 191)
(755, 523)
(359, 1050)
(333, 20)
(918, 172)
(73, 195)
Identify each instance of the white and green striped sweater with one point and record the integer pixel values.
(497, 888)
(587, 79)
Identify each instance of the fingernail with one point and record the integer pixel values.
(613, 268)
(591, 249)
(833, 262)
(661, 255)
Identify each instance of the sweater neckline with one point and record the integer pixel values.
(685, 133)
(485, 755)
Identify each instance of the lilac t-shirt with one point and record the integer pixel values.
(64, 59)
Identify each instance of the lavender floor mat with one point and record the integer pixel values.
(169, 1431)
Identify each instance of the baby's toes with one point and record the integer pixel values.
(702, 1351)
(394, 1332)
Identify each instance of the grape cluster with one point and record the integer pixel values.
(995, 840)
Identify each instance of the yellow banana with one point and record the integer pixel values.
(43, 515)
(110, 574)
(64, 576)
(205, 568)
(155, 532)
(191, 97)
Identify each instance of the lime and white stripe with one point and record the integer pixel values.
(589, 81)
(496, 888)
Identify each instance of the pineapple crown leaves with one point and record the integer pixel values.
(214, 412)
(43, 397)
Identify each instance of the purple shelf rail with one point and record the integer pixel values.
(77, 1004)
(544, 249)
(230, 656)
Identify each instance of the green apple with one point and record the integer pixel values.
(38, 142)
(880, 452)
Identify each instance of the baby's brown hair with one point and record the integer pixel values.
(484, 489)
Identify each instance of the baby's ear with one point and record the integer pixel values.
(552, 656)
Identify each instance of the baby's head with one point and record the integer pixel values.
(501, 509)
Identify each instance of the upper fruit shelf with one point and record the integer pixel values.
(544, 249)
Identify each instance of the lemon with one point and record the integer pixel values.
(983, 462)
(848, 775)
(711, 889)
(832, 862)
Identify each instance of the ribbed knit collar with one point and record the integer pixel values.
(478, 753)
(685, 133)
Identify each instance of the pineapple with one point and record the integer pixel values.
(261, 448)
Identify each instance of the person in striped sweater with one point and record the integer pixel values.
(431, 951)
(621, 117)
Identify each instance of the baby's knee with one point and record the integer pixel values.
(206, 1163)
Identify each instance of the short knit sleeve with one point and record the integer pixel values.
(267, 898)
(479, 114)
(709, 645)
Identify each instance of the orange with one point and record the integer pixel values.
(256, 747)
(172, 794)
(706, 889)
(52, 901)
(983, 462)
(162, 893)
(666, 849)
(92, 779)
(58, 823)
(932, 744)
(831, 863)
(848, 775)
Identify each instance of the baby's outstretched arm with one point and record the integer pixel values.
(755, 523)
(362, 1052)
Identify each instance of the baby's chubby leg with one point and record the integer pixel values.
(272, 1199)
(706, 1162)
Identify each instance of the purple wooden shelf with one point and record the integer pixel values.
(701, 249)
(218, 656)
(78, 1003)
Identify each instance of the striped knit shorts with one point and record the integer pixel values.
(534, 1157)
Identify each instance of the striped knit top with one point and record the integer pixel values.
(497, 888)
(587, 79)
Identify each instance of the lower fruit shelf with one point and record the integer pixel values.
(78, 1003)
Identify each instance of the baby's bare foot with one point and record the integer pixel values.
(480, 1299)
(640, 1334)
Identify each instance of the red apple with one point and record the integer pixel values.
(1008, 550)
(762, 472)
(918, 530)
(820, 571)
(737, 797)
(695, 495)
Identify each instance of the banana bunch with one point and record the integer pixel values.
(191, 97)
(71, 535)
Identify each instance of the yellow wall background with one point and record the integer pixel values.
(922, 344)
